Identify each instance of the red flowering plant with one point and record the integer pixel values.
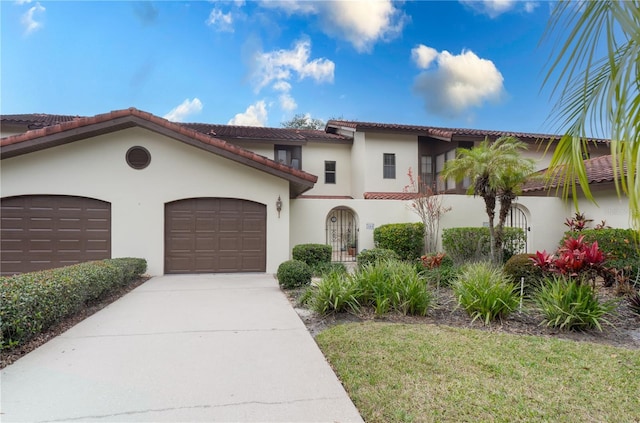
(576, 259)
(431, 261)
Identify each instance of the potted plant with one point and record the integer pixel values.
(352, 247)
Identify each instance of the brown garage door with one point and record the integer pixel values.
(215, 235)
(46, 231)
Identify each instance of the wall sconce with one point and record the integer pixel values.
(279, 205)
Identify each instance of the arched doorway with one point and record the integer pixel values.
(342, 233)
(517, 218)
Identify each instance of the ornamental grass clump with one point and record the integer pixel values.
(485, 292)
(384, 286)
(568, 304)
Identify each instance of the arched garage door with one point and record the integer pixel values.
(215, 235)
(46, 231)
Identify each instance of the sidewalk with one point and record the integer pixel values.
(181, 348)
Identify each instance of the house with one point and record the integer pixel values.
(192, 197)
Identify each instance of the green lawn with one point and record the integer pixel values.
(425, 373)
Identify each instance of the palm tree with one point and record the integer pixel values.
(496, 171)
(597, 93)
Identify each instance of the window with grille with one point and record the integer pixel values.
(389, 166)
(329, 172)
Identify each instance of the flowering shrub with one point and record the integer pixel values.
(575, 258)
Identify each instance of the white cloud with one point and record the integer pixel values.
(255, 115)
(495, 8)
(423, 56)
(28, 19)
(22, 2)
(458, 83)
(188, 107)
(287, 102)
(221, 21)
(361, 22)
(281, 65)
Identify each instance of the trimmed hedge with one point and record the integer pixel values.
(312, 254)
(406, 239)
(293, 274)
(474, 244)
(620, 244)
(32, 302)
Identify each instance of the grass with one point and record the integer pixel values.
(427, 373)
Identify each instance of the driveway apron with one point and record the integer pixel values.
(181, 348)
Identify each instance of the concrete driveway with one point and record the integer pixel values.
(181, 349)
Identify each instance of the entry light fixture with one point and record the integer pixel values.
(279, 205)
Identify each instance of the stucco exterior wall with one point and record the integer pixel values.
(609, 207)
(545, 217)
(358, 160)
(405, 147)
(96, 168)
(313, 157)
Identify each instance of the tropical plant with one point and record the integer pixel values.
(575, 259)
(567, 304)
(428, 206)
(497, 171)
(485, 292)
(578, 223)
(595, 66)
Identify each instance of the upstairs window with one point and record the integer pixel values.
(426, 172)
(290, 155)
(389, 166)
(329, 172)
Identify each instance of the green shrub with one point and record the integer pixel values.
(375, 255)
(521, 266)
(406, 239)
(485, 292)
(384, 286)
(312, 254)
(294, 273)
(621, 246)
(321, 269)
(474, 244)
(32, 302)
(567, 304)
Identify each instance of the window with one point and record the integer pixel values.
(450, 183)
(329, 172)
(426, 171)
(389, 166)
(290, 155)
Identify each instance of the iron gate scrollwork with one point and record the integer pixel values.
(342, 234)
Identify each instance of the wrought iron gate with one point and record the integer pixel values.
(518, 219)
(342, 234)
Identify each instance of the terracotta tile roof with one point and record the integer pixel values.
(80, 128)
(263, 133)
(389, 195)
(327, 197)
(36, 120)
(438, 132)
(599, 170)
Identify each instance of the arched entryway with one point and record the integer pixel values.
(342, 233)
(517, 218)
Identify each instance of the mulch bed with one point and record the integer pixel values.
(624, 330)
(9, 356)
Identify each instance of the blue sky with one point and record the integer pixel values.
(439, 63)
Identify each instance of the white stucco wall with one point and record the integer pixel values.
(358, 165)
(545, 217)
(96, 168)
(405, 147)
(313, 157)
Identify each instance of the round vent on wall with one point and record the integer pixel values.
(138, 157)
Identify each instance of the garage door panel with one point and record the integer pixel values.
(217, 230)
(45, 231)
